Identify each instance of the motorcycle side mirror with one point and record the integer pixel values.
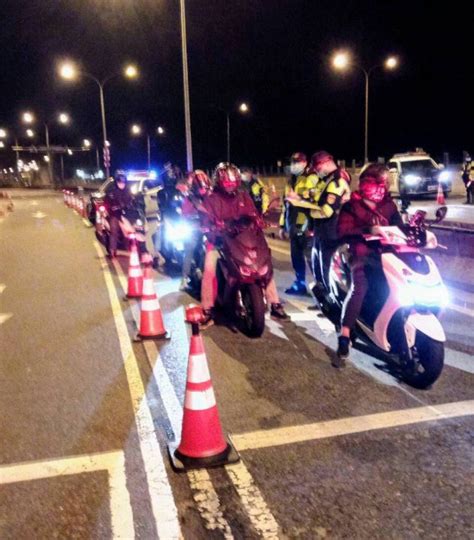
(441, 213)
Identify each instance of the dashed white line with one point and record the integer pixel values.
(161, 496)
(204, 494)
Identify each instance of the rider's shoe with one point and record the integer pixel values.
(207, 319)
(343, 346)
(277, 312)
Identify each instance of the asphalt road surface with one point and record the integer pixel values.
(87, 413)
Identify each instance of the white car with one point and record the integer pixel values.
(417, 173)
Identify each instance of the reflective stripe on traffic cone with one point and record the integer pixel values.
(440, 199)
(135, 274)
(202, 442)
(151, 319)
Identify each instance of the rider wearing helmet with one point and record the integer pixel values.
(196, 188)
(295, 222)
(226, 203)
(117, 199)
(370, 205)
(256, 189)
(331, 190)
(467, 176)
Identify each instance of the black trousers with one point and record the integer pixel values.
(470, 193)
(361, 268)
(298, 249)
(323, 250)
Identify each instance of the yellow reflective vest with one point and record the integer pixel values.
(325, 201)
(258, 192)
(291, 216)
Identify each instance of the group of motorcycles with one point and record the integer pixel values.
(400, 314)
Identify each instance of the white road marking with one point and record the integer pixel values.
(256, 507)
(2, 287)
(275, 328)
(39, 215)
(113, 462)
(161, 496)
(5, 316)
(346, 426)
(459, 360)
(204, 494)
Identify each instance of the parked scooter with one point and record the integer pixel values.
(400, 311)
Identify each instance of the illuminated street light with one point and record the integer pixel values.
(3, 133)
(2, 144)
(131, 71)
(28, 118)
(342, 61)
(244, 108)
(160, 130)
(30, 133)
(69, 151)
(136, 129)
(69, 71)
(46, 158)
(64, 118)
(86, 143)
(391, 62)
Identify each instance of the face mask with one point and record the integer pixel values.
(373, 192)
(296, 168)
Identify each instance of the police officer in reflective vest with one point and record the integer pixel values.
(330, 192)
(295, 222)
(256, 189)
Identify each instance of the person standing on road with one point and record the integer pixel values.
(256, 189)
(295, 222)
(468, 179)
(370, 205)
(332, 189)
(117, 199)
(228, 203)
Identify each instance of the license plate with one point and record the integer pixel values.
(432, 188)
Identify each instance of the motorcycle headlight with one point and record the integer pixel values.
(412, 179)
(414, 293)
(444, 176)
(178, 232)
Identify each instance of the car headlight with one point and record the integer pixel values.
(444, 176)
(412, 179)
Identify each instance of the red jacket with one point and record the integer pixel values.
(356, 218)
(221, 206)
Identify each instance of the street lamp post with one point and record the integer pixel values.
(63, 118)
(69, 71)
(187, 109)
(342, 61)
(243, 108)
(136, 130)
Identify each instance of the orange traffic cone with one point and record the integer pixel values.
(135, 274)
(440, 199)
(151, 320)
(202, 443)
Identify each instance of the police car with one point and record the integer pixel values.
(417, 173)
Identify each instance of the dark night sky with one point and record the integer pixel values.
(272, 53)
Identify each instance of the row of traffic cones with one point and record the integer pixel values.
(72, 200)
(202, 442)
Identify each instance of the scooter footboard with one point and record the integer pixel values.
(427, 324)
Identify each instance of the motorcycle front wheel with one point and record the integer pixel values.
(428, 361)
(253, 318)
